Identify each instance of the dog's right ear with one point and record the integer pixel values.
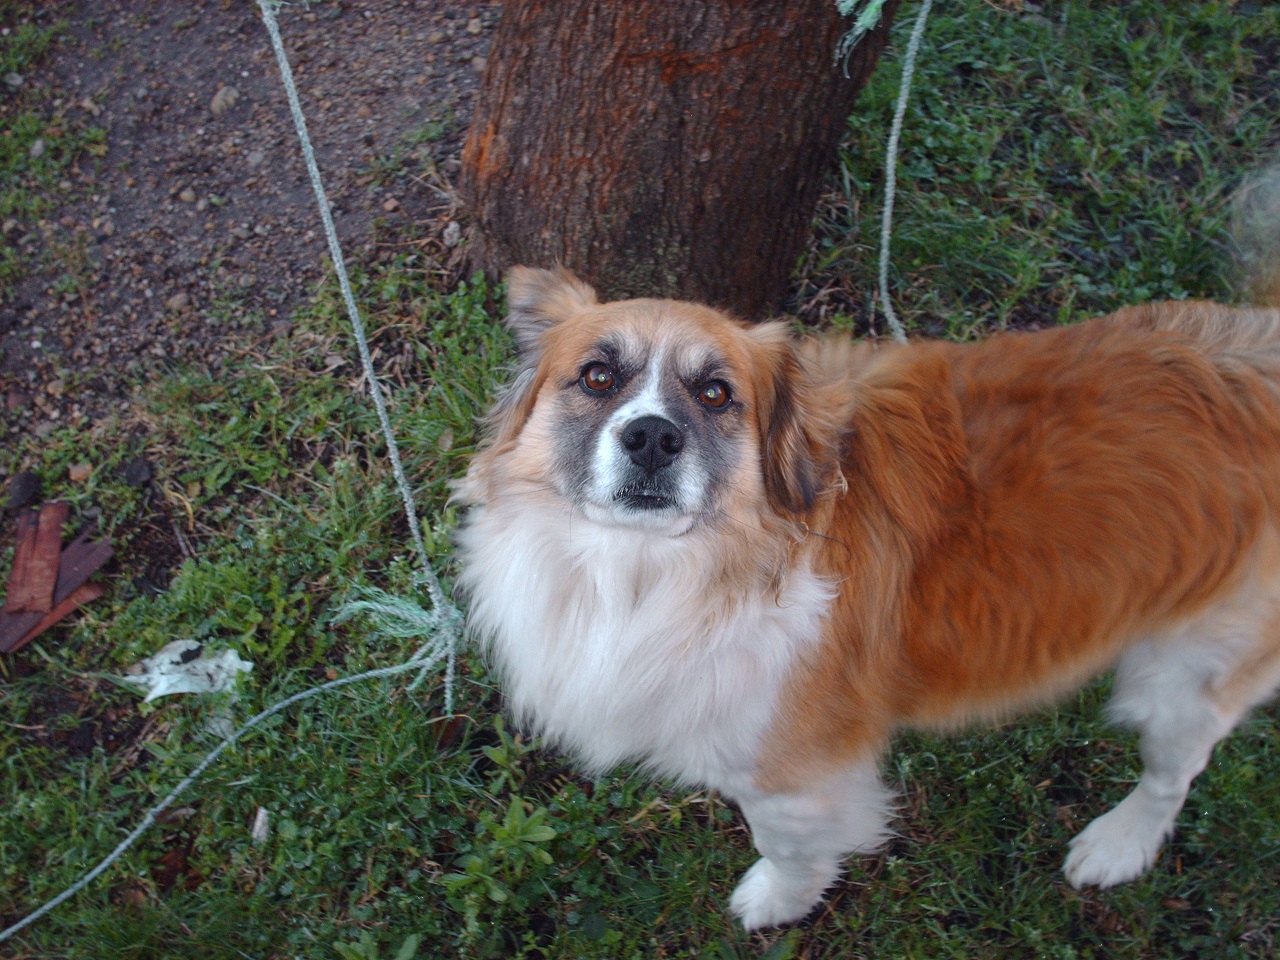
(540, 299)
(537, 301)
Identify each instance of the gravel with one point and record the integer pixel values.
(196, 234)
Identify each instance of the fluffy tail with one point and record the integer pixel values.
(1256, 231)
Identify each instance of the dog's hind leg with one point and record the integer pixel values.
(803, 837)
(1182, 693)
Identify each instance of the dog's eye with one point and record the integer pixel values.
(714, 394)
(597, 378)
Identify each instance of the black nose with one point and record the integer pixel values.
(652, 442)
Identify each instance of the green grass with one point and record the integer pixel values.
(395, 833)
(1055, 166)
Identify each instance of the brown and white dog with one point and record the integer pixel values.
(746, 561)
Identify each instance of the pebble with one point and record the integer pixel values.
(437, 36)
(254, 158)
(178, 302)
(478, 64)
(55, 388)
(223, 100)
(136, 472)
(13, 80)
(474, 26)
(187, 195)
(24, 489)
(36, 150)
(452, 234)
(79, 472)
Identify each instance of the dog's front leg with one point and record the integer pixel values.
(803, 836)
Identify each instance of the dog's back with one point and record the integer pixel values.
(1248, 336)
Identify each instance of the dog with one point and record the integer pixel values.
(745, 561)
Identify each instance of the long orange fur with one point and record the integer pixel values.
(971, 581)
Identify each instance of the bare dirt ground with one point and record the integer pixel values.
(198, 230)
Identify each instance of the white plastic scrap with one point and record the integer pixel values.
(181, 667)
(261, 826)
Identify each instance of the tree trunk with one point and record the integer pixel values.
(670, 148)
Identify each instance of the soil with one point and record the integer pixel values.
(198, 230)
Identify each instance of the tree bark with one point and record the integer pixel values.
(671, 148)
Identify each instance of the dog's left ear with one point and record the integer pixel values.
(538, 300)
(800, 430)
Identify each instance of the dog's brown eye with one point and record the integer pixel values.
(597, 378)
(714, 394)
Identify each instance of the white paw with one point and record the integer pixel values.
(767, 897)
(1118, 846)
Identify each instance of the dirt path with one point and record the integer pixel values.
(198, 226)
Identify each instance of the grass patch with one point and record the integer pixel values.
(1054, 165)
(396, 834)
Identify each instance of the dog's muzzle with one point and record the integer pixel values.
(652, 444)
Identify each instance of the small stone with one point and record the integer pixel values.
(36, 150)
(437, 36)
(364, 111)
(178, 302)
(254, 158)
(13, 80)
(187, 195)
(224, 100)
(55, 388)
(24, 489)
(478, 64)
(452, 234)
(390, 204)
(474, 26)
(445, 443)
(136, 472)
(242, 232)
(247, 280)
(79, 472)
(202, 204)
(43, 429)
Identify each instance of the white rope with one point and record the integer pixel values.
(442, 620)
(438, 600)
(891, 170)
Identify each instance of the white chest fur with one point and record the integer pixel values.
(619, 645)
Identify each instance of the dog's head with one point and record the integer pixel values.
(653, 414)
